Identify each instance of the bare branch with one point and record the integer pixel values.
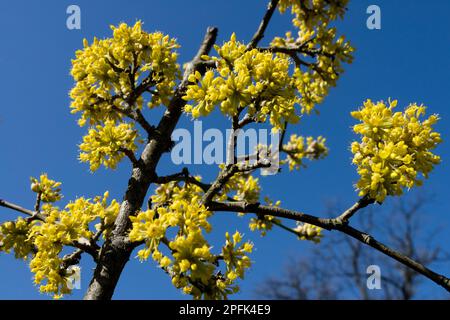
(333, 224)
(246, 120)
(15, 207)
(245, 207)
(37, 206)
(283, 136)
(139, 118)
(89, 247)
(203, 66)
(227, 173)
(347, 214)
(263, 25)
(183, 176)
(286, 228)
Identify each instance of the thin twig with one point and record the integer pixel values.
(347, 214)
(37, 206)
(15, 207)
(263, 25)
(182, 176)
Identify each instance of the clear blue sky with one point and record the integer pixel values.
(407, 59)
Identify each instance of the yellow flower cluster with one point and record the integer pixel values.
(172, 191)
(234, 254)
(395, 148)
(47, 267)
(245, 78)
(309, 232)
(247, 189)
(44, 241)
(62, 228)
(107, 213)
(49, 190)
(188, 258)
(322, 54)
(14, 236)
(264, 223)
(112, 74)
(106, 144)
(298, 148)
(309, 14)
(244, 186)
(152, 225)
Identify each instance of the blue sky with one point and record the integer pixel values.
(407, 59)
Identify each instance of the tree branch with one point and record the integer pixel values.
(333, 224)
(293, 52)
(183, 176)
(139, 118)
(116, 251)
(130, 154)
(89, 247)
(227, 173)
(72, 259)
(283, 136)
(224, 175)
(15, 207)
(263, 25)
(37, 206)
(347, 214)
(249, 167)
(245, 207)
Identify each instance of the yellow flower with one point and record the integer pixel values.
(44, 241)
(298, 148)
(322, 54)
(49, 189)
(14, 235)
(106, 144)
(254, 79)
(178, 220)
(308, 231)
(107, 71)
(395, 148)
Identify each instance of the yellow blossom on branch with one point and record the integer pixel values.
(186, 254)
(108, 72)
(321, 52)
(107, 144)
(395, 148)
(49, 190)
(299, 148)
(309, 232)
(254, 79)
